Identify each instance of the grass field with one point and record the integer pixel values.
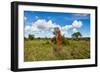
(43, 50)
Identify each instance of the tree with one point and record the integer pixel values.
(31, 37)
(76, 35)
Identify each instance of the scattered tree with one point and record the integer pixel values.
(76, 35)
(31, 37)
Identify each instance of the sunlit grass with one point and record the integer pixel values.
(43, 50)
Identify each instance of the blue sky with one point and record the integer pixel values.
(36, 22)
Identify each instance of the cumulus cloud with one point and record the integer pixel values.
(27, 28)
(77, 24)
(67, 27)
(42, 27)
(43, 24)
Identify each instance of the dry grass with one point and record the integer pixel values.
(43, 50)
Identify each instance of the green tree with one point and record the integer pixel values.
(76, 35)
(31, 37)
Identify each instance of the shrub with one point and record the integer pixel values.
(65, 41)
(31, 37)
(47, 42)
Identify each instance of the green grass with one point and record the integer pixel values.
(43, 50)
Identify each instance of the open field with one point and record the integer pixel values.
(43, 50)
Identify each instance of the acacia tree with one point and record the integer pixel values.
(76, 35)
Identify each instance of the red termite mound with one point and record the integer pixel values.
(58, 38)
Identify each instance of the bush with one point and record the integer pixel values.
(31, 37)
(47, 42)
(65, 41)
(53, 40)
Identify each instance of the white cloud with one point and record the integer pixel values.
(46, 24)
(27, 31)
(49, 25)
(67, 27)
(43, 24)
(27, 28)
(77, 24)
(75, 30)
(42, 28)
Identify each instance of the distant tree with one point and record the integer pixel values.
(76, 35)
(31, 37)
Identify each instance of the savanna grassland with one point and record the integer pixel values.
(44, 50)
